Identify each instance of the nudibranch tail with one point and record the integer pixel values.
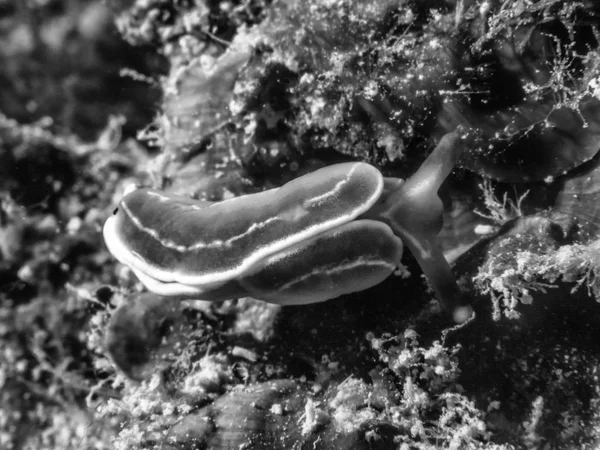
(415, 215)
(350, 258)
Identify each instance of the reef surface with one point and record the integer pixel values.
(215, 99)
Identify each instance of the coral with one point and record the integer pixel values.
(304, 81)
(429, 379)
(513, 281)
(377, 81)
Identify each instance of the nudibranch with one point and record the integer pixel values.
(334, 231)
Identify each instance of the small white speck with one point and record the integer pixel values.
(483, 230)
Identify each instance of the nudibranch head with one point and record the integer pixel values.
(416, 215)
